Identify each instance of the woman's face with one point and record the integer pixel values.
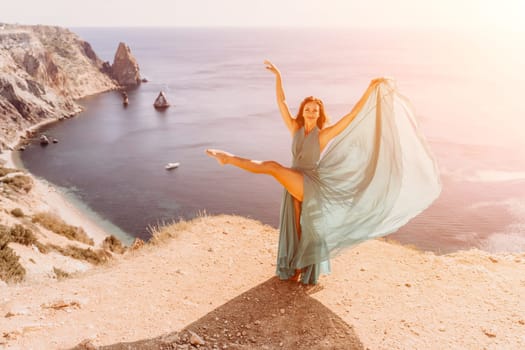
(311, 111)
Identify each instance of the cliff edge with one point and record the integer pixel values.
(214, 276)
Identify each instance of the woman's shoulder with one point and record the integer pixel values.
(296, 127)
(324, 129)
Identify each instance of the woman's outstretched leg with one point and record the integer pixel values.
(291, 180)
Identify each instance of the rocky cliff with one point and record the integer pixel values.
(43, 69)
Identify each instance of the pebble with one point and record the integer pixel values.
(488, 333)
(17, 311)
(195, 339)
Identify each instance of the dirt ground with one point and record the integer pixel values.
(214, 276)
(273, 315)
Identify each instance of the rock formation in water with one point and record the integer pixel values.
(161, 101)
(43, 69)
(125, 68)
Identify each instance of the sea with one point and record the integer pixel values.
(466, 89)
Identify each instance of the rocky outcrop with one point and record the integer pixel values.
(43, 69)
(161, 101)
(125, 69)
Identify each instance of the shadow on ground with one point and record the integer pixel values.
(273, 315)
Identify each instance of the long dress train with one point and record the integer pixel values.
(370, 180)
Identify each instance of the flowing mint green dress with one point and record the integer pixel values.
(370, 180)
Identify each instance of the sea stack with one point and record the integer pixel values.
(161, 101)
(125, 69)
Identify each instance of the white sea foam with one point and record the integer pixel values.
(512, 239)
(514, 206)
(496, 176)
(505, 242)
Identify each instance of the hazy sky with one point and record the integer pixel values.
(452, 14)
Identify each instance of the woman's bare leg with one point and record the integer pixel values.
(297, 210)
(291, 180)
(297, 217)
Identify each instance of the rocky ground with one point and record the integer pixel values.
(214, 277)
(272, 315)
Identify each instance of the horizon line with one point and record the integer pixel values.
(269, 26)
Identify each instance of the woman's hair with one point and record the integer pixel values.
(322, 115)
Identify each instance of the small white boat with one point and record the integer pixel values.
(170, 166)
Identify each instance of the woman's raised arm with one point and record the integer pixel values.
(281, 99)
(332, 131)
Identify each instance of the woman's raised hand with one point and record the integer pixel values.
(271, 67)
(377, 81)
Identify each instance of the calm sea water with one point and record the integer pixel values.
(466, 91)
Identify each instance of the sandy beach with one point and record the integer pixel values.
(46, 198)
(49, 196)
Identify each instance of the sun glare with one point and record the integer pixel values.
(508, 15)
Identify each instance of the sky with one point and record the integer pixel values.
(450, 14)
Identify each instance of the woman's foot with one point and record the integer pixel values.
(296, 277)
(220, 156)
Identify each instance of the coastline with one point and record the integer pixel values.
(45, 70)
(49, 194)
(8, 156)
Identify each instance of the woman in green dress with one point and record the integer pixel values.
(360, 178)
